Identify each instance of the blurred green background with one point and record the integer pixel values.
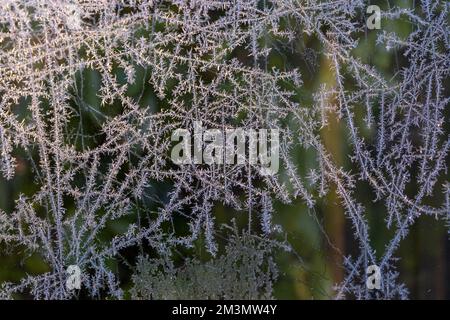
(321, 236)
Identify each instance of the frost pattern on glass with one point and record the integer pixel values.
(101, 157)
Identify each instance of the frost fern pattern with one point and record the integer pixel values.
(96, 161)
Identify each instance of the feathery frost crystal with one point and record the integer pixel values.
(97, 159)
